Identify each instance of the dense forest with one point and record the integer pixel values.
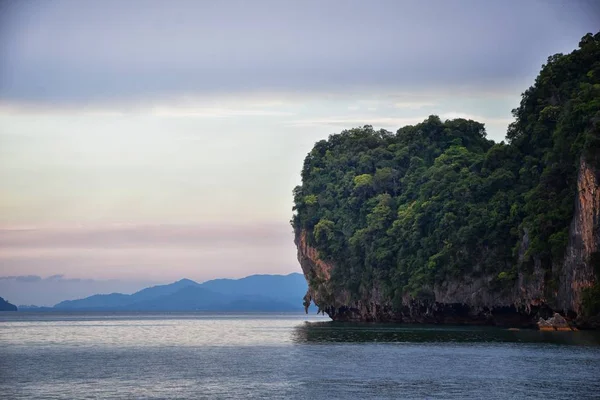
(438, 200)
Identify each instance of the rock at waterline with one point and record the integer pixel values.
(556, 323)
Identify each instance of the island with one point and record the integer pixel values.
(6, 306)
(437, 224)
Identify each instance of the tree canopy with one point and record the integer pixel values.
(438, 200)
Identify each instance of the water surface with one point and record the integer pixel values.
(179, 356)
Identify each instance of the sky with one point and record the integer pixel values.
(148, 141)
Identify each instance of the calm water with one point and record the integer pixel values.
(178, 356)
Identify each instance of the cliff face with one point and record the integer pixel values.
(318, 274)
(577, 271)
(436, 223)
(477, 300)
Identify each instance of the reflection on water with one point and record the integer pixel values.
(196, 355)
(134, 330)
(342, 332)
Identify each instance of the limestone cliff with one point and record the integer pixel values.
(477, 300)
(437, 223)
(577, 271)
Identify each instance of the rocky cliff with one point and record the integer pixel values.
(578, 270)
(436, 223)
(477, 300)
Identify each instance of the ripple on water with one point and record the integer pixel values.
(283, 356)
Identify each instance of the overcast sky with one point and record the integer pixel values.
(155, 140)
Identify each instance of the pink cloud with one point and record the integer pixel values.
(158, 252)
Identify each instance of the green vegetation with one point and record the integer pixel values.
(591, 301)
(438, 200)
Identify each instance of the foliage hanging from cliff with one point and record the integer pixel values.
(438, 200)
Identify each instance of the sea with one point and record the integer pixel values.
(285, 356)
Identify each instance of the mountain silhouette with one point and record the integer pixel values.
(252, 293)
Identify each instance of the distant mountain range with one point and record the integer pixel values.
(253, 293)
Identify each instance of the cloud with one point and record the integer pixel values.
(170, 111)
(223, 107)
(413, 105)
(145, 236)
(154, 252)
(353, 121)
(79, 53)
(22, 278)
(36, 278)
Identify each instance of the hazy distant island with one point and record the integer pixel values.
(255, 293)
(6, 306)
(437, 224)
